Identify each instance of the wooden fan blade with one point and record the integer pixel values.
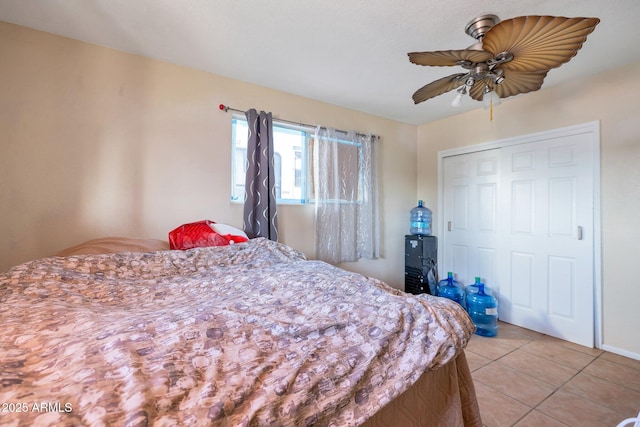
(538, 43)
(442, 58)
(439, 87)
(514, 83)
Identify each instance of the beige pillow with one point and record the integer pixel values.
(110, 245)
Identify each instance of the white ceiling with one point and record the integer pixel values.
(351, 53)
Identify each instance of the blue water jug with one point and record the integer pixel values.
(451, 289)
(483, 309)
(421, 220)
(474, 287)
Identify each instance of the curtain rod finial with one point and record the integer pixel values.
(223, 107)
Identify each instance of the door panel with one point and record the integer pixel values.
(522, 208)
(459, 260)
(522, 269)
(561, 286)
(461, 207)
(487, 261)
(562, 215)
(552, 194)
(487, 203)
(472, 211)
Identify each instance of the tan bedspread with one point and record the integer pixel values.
(244, 335)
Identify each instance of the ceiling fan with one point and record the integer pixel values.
(511, 56)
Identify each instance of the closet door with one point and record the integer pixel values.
(548, 273)
(471, 216)
(521, 216)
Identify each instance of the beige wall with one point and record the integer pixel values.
(610, 98)
(96, 142)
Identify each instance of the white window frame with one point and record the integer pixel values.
(279, 128)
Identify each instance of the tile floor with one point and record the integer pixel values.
(523, 378)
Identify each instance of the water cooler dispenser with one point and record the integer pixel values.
(420, 267)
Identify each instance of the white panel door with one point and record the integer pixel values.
(521, 216)
(548, 281)
(471, 212)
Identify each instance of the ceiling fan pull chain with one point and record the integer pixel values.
(491, 112)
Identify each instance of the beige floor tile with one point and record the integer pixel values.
(615, 373)
(516, 384)
(488, 347)
(558, 353)
(576, 411)
(573, 346)
(510, 343)
(538, 419)
(516, 332)
(613, 396)
(496, 409)
(539, 367)
(622, 360)
(476, 361)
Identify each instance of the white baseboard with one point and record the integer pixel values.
(621, 352)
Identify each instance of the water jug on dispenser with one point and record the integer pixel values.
(483, 309)
(451, 289)
(421, 220)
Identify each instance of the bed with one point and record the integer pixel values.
(126, 332)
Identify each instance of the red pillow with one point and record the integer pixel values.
(200, 234)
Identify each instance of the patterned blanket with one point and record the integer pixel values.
(251, 334)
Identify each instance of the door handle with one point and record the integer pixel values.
(449, 225)
(580, 232)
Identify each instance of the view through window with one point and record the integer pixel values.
(293, 165)
(290, 161)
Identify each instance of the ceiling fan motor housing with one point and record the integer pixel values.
(479, 26)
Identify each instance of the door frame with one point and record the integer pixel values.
(591, 128)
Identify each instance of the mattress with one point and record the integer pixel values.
(251, 334)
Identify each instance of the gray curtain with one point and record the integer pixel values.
(260, 211)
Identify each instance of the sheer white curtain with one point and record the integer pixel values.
(345, 188)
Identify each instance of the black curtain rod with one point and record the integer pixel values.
(226, 108)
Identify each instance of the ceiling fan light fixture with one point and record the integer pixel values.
(459, 95)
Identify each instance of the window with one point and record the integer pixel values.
(290, 159)
(293, 164)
